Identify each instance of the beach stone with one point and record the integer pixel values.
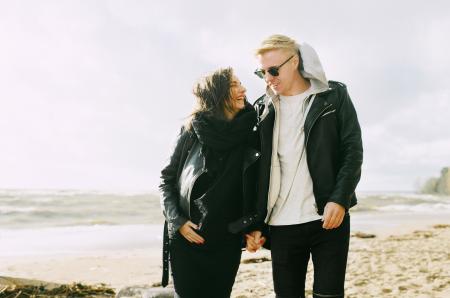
(145, 292)
(363, 235)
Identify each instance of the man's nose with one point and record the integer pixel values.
(268, 77)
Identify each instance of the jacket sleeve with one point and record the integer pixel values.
(351, 152)
(168, 187)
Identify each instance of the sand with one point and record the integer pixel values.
(416, 264)
(412, 264)
(118, 269)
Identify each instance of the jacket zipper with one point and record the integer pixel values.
(309, 132)
(314, 122)
(270, 174)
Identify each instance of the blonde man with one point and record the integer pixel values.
(311, 157)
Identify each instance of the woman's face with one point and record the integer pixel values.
(237, 92)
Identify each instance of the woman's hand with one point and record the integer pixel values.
(188, 232)
(254, 241)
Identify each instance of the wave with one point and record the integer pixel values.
(403, 195)
(72, 192)
(56, 208)
(402, 202)
(5, 210)
(81, 210)
(422, 208)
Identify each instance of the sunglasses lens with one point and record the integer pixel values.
(260, 73)
(273, 71)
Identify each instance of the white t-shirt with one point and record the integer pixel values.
(295, 203)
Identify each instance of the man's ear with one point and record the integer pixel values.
(296, 61)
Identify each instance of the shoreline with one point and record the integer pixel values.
(385, 224)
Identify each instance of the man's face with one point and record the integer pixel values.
(282, 83)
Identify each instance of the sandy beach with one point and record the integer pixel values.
(415, 264)
(413, 261)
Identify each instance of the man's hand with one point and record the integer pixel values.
(187, 230)
(254, 241)
(332, 215)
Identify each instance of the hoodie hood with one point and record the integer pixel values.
(312, 68)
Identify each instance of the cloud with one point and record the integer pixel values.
(92, 94)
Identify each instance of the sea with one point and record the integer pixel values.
(58, 222)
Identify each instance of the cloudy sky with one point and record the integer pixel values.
(92, 93)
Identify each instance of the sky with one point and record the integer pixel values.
(93, 92)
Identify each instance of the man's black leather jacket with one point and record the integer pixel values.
(333, 147)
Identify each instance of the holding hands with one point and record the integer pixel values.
(254, 241)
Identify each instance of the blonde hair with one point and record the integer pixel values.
(278, 41)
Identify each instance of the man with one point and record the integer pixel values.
(311, 156)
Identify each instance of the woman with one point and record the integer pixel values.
(208, 189)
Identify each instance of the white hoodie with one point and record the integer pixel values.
(296, 203)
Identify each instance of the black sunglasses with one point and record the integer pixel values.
(273, 70)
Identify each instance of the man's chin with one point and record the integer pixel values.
(276, 91)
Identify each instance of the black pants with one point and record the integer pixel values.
(204, 272)
(291, 247)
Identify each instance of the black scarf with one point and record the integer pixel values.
(221, 137)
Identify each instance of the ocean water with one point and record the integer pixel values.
(48, 222)
(39, 209)
(34, 222)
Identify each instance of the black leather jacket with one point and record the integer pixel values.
(333, 147)
(176, 183)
